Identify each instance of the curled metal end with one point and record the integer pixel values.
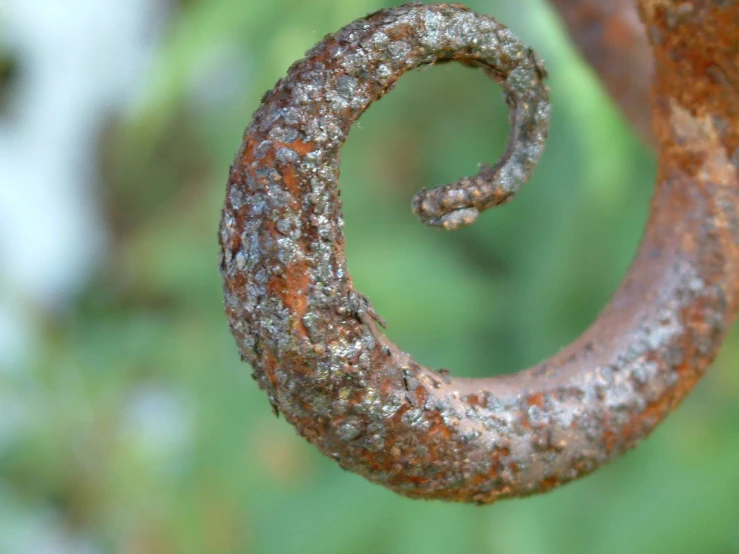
(315, 343)
(458, 204)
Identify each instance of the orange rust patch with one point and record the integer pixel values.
(237, 284)
(473, 400)
(387, 388)
(420, 395)
(609, 441)
(270, 365)
(438, 427)
(684, 58)
(549, 483)
(296, 363)
(247, 154)
(235, 244)
(292, 288)
(290, 179)
(536, 400)
(301, 147)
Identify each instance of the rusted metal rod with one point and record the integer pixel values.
(614, 42)
(314, 341)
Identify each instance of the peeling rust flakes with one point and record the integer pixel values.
(315, 343)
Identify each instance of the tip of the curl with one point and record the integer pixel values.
(451, 221)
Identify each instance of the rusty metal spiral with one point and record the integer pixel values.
(315, 343)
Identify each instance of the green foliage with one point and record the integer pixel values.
(141, 430)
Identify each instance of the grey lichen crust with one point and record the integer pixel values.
(314, 342)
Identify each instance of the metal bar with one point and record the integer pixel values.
(315, 344)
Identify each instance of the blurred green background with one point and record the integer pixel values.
(135, 427)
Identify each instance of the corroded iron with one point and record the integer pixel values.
(613, 41)
(314, 341)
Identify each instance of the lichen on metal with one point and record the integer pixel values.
(315, 342)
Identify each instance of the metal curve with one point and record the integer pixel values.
(314, 341)
(613, 41)
(520, 74)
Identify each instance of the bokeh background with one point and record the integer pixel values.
(128, 423)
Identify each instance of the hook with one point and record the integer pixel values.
(314, 342)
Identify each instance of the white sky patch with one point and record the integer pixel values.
(158, 424)
(80, 62)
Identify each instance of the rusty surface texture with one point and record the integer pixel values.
(314, 341)
(612, 38)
